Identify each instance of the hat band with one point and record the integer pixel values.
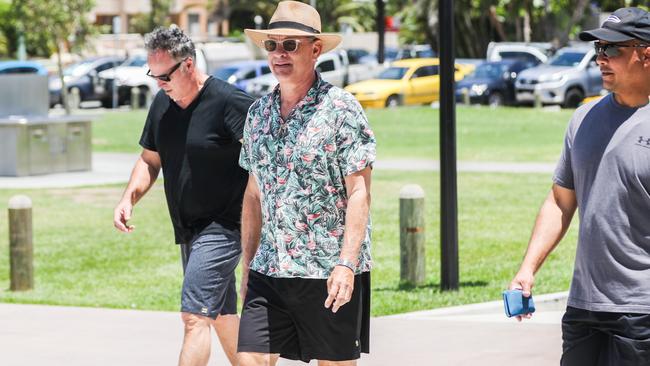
(293, 25)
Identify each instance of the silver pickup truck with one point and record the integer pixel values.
(566, 79)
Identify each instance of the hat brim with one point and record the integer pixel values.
(604, 34)
(330, 40)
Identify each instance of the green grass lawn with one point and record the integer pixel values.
(80, 259)
(484, 134)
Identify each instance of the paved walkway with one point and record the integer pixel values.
(116, 168)
(480, 334)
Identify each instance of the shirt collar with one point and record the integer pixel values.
(311, 98)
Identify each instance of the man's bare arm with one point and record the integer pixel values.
(340, 284)
(251, 228)
(552, 222)
(144, 175)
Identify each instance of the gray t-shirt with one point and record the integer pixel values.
(606, 160)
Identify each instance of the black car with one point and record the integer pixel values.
(81, 76)
(492, 83)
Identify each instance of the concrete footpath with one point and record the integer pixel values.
(110, 168)
(479, 334)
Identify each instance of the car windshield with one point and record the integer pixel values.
(489, 71)
(78, 69)
(567, 59)
(137, 61)
(225, 72)
(393, 73)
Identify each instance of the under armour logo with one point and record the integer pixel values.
(643, 141)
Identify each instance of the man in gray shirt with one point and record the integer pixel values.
(604, 171)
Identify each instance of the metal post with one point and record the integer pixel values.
(411, 235)
(117, 26)
(538, 99)
(381, 30)
(21, 268)
(448, 182)
(466, 99)
(135, 98)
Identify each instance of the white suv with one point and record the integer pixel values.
(567, 79)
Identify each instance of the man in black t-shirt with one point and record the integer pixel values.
(193, 134)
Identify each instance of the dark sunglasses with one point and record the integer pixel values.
(613, 49)
(289, 45)
(166, 77)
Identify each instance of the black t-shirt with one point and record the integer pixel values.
(199, 151)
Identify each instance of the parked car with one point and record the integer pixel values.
(81, 77)
(412, 81)
(538, 52)
(390, 55)
(415, 51)
(240, 73)
(492, 83)
(356, 54)
(22, 67)
(330, 66)
(567, 79)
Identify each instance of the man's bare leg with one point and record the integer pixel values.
(257, 359)
(227, 328)
(337, 363)
(196, 342)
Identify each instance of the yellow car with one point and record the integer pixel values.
(405, 82)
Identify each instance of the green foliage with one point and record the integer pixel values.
(335, 15)
(48, 25)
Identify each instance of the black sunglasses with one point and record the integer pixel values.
(166, 77)
(289, 45)
(613, 49)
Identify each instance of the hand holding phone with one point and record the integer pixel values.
(515, 303)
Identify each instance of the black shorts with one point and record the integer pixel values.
(593, 338)
(209, 263)
(288, 316)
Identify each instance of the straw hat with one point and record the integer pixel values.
(293, 18)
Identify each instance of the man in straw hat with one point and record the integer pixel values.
(305, 221)
(604, 170)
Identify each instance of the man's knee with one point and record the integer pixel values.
(225, 319)
(337, 363)
(193, 321)
(256, 359)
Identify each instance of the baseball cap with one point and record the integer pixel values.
(622, 25)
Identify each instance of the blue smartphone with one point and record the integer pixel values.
(515, 303)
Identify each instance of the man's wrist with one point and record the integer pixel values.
(346, 263)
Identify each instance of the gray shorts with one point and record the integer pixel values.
(209, 285)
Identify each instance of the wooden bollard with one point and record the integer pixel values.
(21, 250)
(412, 254)
(135, 98)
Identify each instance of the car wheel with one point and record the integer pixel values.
(393, 101)
(573, 98)
(495, 99)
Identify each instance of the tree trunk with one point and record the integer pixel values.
(576, 17)
(64, 89)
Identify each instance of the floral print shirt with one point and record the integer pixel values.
(300, 165)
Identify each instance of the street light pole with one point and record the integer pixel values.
(448, 181)
(381, 30)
